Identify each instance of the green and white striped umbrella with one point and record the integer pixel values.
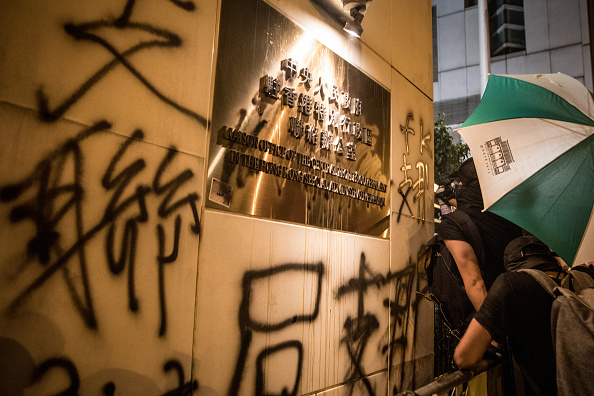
(532, 139)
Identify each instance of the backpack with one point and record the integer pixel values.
(445, 285)
(572, 329)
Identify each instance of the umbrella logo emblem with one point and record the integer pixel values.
(499, 155)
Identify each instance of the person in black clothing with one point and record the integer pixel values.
(518, 307)
(478, 265)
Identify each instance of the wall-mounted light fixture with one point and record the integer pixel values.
(350, 15)
(356, 9)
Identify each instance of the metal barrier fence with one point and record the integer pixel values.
(447, 375)
(447, 382)
(444, 344)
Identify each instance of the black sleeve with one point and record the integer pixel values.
(450, 230)
(494, 313)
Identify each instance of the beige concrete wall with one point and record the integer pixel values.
(114, 279)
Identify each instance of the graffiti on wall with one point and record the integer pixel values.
(248, 324)
(135, 190)
(409, 183)
(26, 374)
(358, 328)
(91, 32)
(98, 202)
(44, 199)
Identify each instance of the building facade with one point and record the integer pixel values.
(215, 197)
(526, 37)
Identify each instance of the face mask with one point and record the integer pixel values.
(469, 197)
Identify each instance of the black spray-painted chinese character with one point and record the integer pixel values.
(95, 32)
(420, 184)
(424, 140)
(406, 129)
(407, 180)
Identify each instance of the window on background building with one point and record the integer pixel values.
(434, 19)
(469, 3)
(506, 26)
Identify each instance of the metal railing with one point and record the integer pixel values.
(449, 381)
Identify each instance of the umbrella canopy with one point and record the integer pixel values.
(532, 139)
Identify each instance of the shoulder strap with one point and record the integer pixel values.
(545, 281)
(579, 281)
(528, 378)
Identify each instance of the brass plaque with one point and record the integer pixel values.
(297, 133)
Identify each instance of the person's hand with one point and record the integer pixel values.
(494, 352)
